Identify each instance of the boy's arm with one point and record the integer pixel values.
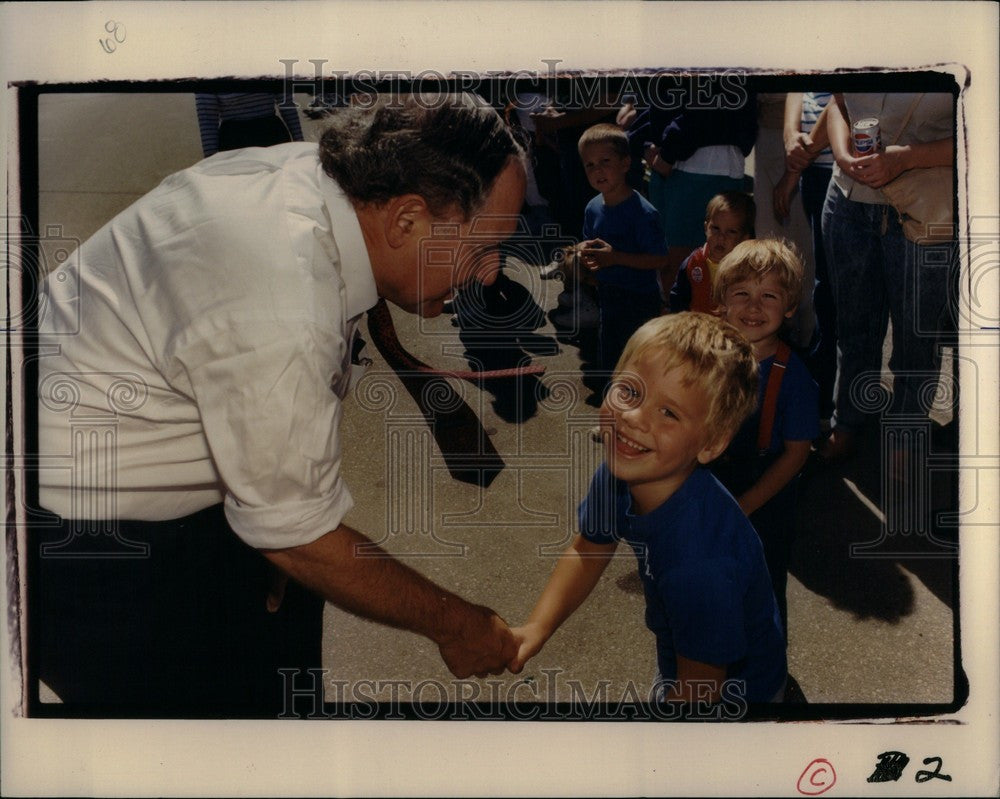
(776, 476)
(696, 682)
(680, 292)
(574, 577)
(598, 254)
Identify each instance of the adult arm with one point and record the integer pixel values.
(881, 168)
(802, 148)
(574, 577)
(693, 129)
(796, 140)
(350, 571)
(680, 290)
(776, 476)
(839, 132)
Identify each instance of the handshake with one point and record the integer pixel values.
(483, 644)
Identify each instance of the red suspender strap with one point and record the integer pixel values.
(701, 288)
(770, 406)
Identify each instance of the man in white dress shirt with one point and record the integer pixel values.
(194, 355)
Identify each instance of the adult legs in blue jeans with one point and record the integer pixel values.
(813, 185)
(876, 273)
(853, 238)
(918, 280)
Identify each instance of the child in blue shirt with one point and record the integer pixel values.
(623, 245)
(681, 389)
(757, 287)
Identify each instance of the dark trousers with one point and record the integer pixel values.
(622, 313)
(182, 630)
(235, 134)
(774, 521)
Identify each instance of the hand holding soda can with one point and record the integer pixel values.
(867, 137)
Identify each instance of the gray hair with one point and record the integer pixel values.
(449, 149)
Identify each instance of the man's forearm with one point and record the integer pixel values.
(347, 569)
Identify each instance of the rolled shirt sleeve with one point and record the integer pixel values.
(271, 419)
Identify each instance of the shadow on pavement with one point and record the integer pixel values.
(841, 508)
(496, 326)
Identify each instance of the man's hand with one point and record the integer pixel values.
(596, 254)
(484, 645)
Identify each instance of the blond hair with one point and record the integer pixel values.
(716, 358)
(751, 260)
(604, 133)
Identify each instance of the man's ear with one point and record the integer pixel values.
(403, 218)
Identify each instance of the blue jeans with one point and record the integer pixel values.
(813, 186)
(877, 274)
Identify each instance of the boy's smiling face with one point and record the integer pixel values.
(653, 426)
(757, 308)
(723, 231)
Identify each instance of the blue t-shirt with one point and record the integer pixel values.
(708, 593)
(796, 417)
(632, 226)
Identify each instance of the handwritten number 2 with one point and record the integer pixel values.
(923, 776)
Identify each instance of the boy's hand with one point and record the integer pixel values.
(596, 254)
(530, 641)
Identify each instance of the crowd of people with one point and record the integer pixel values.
(730, 352)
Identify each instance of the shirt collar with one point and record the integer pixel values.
(355, 264)
(670, 508)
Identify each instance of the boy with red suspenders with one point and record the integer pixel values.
(757, 286)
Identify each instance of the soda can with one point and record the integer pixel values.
(867, 136)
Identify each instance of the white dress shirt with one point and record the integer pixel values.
(197, 349)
